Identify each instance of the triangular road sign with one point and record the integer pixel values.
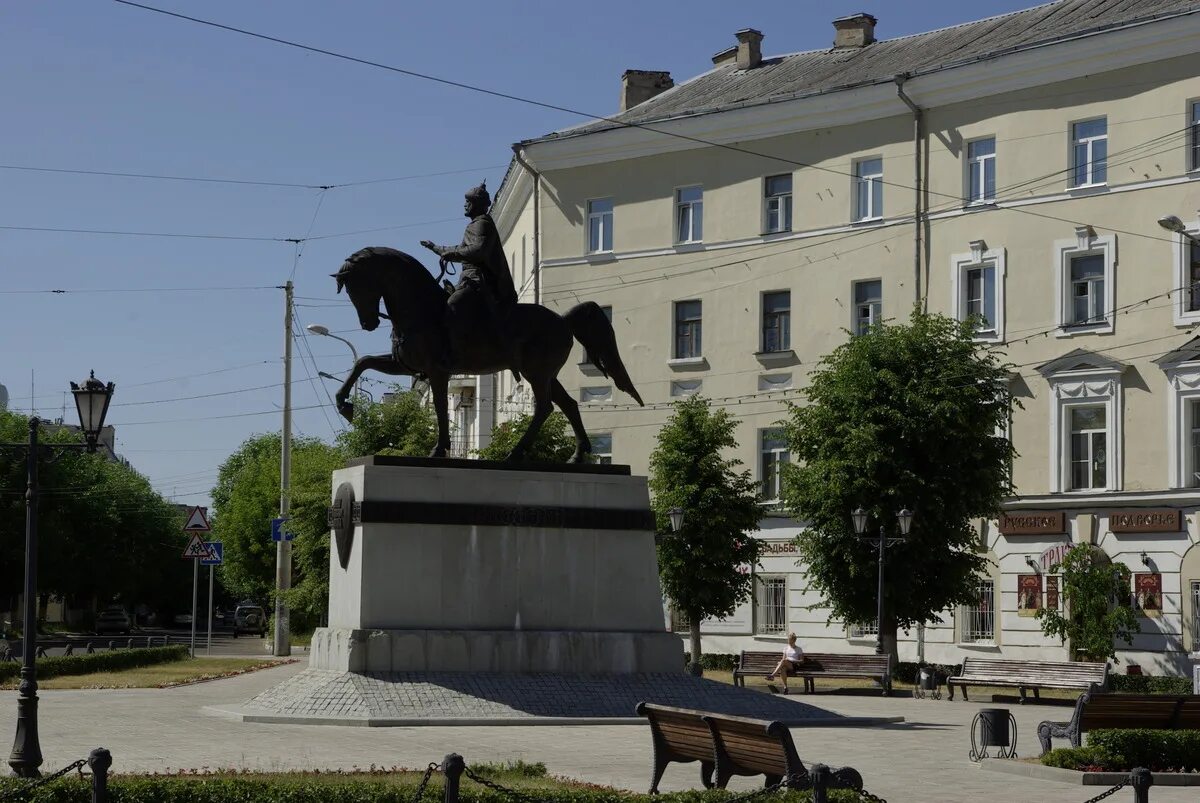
(196, 523)
(196, 548)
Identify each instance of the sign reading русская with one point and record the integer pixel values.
(1033, 522)
(1158, 520)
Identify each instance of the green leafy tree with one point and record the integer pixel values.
(554, 443)
(704, 567)
(1095, 596)
(905, 416)
(400, 424)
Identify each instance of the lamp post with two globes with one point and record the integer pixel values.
(904, 519)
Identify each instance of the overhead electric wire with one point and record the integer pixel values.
(121, 233)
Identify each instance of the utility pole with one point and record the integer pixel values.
(283, 549)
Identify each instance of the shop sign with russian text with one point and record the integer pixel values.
(1033, 522)
(1145, 521)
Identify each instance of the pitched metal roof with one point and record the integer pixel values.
(821, 71)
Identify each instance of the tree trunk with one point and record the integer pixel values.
(43, 605)
(694, 628)
(890, 647)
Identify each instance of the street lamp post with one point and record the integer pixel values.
(91, 400)
(860, 517)
(675, 516)
(323, 331)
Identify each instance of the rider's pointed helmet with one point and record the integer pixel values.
(480, 194)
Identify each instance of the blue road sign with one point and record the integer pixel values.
(216, 554)
(277, 531)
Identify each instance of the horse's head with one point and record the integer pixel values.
(364, 292)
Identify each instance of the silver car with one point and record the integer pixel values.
(249, 619)
(113, 620)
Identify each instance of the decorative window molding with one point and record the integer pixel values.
(965, 284)
(1098, 317)
(592, 395)
(1187, 276)
(1084, 379)
(682, 388)
(1182, 369)
(769, 382)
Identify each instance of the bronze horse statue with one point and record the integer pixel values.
(532, 341)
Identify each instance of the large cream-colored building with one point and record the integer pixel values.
(743, 223)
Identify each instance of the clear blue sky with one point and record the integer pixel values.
(100, 86)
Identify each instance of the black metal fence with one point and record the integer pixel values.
(13, 649)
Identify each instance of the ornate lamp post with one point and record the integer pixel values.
(904, 519)
(91, 400)
(675, 514)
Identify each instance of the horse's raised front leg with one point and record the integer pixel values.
(541, 411)
(583, 446)
(383, 363)
(438, 384)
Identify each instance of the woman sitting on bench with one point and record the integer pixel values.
(793, 656)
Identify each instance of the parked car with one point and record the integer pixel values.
(249, 619)
(113, 620)
(182, 619)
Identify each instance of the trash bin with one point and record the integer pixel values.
(996, 728)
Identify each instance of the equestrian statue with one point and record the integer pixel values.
(478, 328)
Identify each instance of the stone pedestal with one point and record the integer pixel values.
(468, 566)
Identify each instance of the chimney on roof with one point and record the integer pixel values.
(638, 86)
(747, 53)
(856, 30)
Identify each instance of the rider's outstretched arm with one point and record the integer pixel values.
(472, 247)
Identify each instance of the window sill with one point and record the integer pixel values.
(600, 257)
(775, 358)
(978, 645)
(868, 640)
(770, 637)
(689, 247)
(780, 233)
(1088, 189)
(1074, 330)
(988, 337)
(867, 221)
(588, 369)
(688, 364)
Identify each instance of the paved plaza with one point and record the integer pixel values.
(923, 759)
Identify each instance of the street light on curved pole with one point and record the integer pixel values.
(323, 331)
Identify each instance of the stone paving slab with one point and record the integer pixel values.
(329, 697)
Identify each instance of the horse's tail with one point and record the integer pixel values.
(593, 330)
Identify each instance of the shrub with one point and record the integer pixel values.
(1089, 759)
(521, 767)
(1159, 750)
(1150, 684)
(107, 661)
(221, 789)
(906, 671)
(715, 662)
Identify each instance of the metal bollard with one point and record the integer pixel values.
(99, 760)
(1141, 779)
(452, 767)
(819, 774)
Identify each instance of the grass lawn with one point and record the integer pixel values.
(863, 686)
(156, 676)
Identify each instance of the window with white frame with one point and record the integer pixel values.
(588, 359)
(1089, 447)
(979, 620)
(770, 604)
(1085, 422)
(1195, 623)
(981, 170)
(689, 215)
(687, 330)
(977, 281)
(679, 621)
(1089, 152)
(777, 196)
(601, 448)
(868, 305)
(600, 225)
(1194, 120)
(777, 321)
(868, 189)
(1182, 368)
(1187, 278)
(773, 456)
(863, 629)
(1085, 268)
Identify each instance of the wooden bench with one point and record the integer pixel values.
(1034, 675)
(679, 735)
(817, 665)
(1099, 710)
(726, 746)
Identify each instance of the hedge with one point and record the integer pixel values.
(224, 789)
(1160, 750)
(1085, 759)
(714, 662)
(1149, 684)
(106, 661)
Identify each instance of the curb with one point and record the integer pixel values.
(1078, 778)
